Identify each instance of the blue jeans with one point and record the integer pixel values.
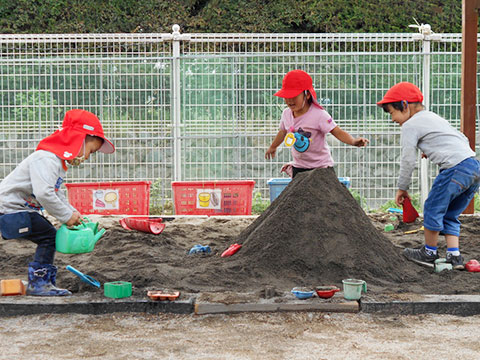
(43, 234)
(451, 192)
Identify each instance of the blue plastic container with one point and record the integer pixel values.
(302, 295)
(278, 185)
(345, 181)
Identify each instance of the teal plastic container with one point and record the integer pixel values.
(117, 289)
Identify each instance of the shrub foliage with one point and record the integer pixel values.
(263, 16)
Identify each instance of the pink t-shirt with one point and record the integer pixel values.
(310, 150)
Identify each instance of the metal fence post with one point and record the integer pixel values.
(426, 35)
(176, 105)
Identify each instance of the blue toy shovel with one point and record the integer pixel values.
(83, 277)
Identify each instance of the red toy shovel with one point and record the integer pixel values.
(409, 212)
(231, 250)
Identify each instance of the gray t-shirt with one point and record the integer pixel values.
(35, 184)
(436, 138)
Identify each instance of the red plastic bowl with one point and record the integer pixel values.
(326, 292)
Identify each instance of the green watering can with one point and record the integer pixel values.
(79, 239)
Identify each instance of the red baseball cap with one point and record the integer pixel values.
(402, 91)
(67, 142)
(294, 83)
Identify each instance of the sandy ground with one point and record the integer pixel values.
(243, 336)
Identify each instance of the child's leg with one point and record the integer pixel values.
(41, 273)
(452, 241)
(450, 194)
(431, 237)
(451, 224)
(463, 186)
(43, 234)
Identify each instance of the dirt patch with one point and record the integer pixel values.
(313, 234)
(263, 336)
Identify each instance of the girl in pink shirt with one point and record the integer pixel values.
(305, 124)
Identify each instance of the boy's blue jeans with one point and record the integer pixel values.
(451, 192)
(43, 234)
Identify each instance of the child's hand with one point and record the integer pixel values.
(75, 219)
(400, 196)
(360, 141)
(270, 153)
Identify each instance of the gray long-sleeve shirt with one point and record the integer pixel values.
(35, 184)
(436, 138)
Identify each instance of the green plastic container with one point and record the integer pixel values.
(352, 288)
(389, 227)
(117, 289)
(441, 264)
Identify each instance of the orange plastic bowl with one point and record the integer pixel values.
(162, 295)
(326, 292)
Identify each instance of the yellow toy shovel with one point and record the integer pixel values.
(414, 231)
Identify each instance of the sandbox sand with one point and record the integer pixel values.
(313, 234)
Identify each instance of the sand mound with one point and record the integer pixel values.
(315, 232)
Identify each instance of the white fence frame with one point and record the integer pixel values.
(201, 106)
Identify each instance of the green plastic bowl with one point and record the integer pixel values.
(117, 289)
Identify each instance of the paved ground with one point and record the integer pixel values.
(243, 336)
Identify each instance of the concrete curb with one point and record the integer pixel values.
(409, 308)
(96, 308)
(212, 308)
(460, 305)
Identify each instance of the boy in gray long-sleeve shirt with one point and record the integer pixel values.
(455, 185)
(34, 185)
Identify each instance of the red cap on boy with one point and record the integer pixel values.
(67, 141)
(402, 91)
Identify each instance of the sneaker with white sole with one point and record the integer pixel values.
(456, 261)
(419, 255)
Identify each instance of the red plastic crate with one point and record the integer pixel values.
(110, 198)
(213, 197)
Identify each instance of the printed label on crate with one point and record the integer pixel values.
(209, 198)
(105, 199)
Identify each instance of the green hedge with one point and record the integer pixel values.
(264, 16)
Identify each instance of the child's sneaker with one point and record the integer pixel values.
(456, 261)
(419, 255)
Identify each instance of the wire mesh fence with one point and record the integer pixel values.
(201, 106)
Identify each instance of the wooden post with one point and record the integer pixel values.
(470, 10)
